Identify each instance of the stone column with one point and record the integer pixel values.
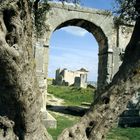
(102, 70)
(45, 70)
(40, 71)
(105, 69)
(109, 66)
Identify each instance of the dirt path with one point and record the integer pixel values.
(52, 100)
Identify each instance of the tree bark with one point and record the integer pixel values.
(20, 98)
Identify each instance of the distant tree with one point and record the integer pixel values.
(126, 9)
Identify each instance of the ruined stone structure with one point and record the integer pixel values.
(67, 77)
(111, 37)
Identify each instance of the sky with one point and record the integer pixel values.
(73, 47)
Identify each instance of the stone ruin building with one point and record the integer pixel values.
(71, 78)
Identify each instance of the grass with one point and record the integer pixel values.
(71, 95)
(62, 123)
(114, 133)
(124, 134)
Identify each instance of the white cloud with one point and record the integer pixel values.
(77, 31)
(84, 53)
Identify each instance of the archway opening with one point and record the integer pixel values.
(73, 65)
(72, 48)
(73, 110)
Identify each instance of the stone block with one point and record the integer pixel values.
(48, 120)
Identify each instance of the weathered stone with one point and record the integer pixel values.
(7, 129)
(48, 120)
(111, 37)
(68, 78)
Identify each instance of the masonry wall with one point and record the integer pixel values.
(69, 77)
(124, 33)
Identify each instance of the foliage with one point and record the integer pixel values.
(124, 134)
(126, 9)
(72, 95)
(62, 123)
(40, 17)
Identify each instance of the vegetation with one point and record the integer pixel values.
(126, 9)
(114, 134)
(62, 123)
(72, 95)
(124, 134)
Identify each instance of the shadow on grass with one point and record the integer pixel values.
(70, 110)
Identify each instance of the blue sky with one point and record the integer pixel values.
(99, 4)
(73, 47)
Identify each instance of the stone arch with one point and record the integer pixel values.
(101, 39)
(95, 30)
(98, 22)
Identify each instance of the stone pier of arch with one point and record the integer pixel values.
(112, 39)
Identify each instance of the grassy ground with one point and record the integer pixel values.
(71, 95)
(62, 123)
(124, 134)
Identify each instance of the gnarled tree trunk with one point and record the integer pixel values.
(20, 98)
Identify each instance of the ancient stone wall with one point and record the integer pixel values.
(111, 39)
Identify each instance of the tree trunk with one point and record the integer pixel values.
(20, 98)
(105, 110)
